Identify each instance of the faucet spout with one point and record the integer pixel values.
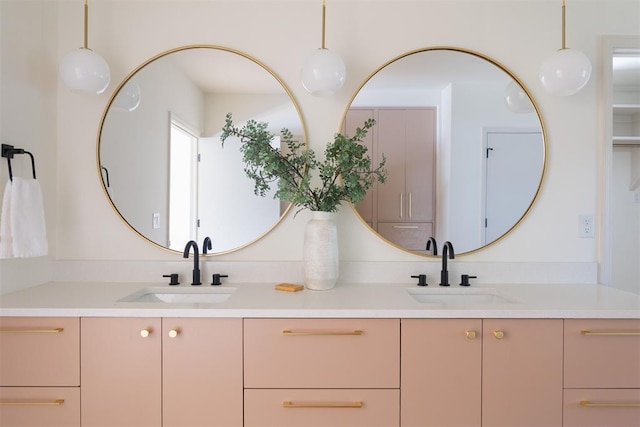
(206, 244)
(432, 242)
(196, 261)
(447, 252)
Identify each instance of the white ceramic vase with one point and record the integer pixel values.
(320, 252)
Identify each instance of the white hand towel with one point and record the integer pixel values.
(6, 242)
(27, 230)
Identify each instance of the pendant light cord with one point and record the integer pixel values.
(324, 13)
(564, 14)
(86, 24)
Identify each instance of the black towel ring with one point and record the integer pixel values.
(9, 151)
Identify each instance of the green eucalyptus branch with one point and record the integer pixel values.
(345, 174)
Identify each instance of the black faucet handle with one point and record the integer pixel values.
(464, 279)
(216, 279)
(173, 278)
(422, 279)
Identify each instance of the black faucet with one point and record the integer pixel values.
(432, 242)
(447, 252)
(196, 261)
(206, 245)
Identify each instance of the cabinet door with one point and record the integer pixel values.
(40, 406)
(120, 372)
(391, 142)
(37, 351)
(420, 131)
(602, 407)
(321, 408)
(522, 372)
(202, 372)
(441, 372)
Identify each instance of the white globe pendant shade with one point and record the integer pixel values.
(128, 98)
(85, 71)
(517, 99)
(323, 73)
(565, 73)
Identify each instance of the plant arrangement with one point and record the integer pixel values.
(345, 174)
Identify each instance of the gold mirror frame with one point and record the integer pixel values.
(128, 78)
(536, 108)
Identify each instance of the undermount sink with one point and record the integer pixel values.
(178, 295)
(458, 297)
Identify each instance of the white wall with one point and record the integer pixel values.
(28, 47)
(518, 34)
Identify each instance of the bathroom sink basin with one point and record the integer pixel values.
(448, 298)
(176, 295)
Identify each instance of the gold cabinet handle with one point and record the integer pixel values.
(498, 334)
(401, 211)
(174, 332)
(410, 209)
(56, 402)
(32, 331)
(406, 227)
(145, 332)
(290, 332)
(611, 333)
(470, 334)
(289, 404)
(589, 404)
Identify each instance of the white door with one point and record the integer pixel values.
(514, 164)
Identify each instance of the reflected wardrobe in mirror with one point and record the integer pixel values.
(465, 149)
(168, 177)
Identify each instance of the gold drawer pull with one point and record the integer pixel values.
(405, 227)
(498, 334)
(470, 334)
(588, 404)
(56, 402)
(289, 404)
(610, 334)
(32, 331)
(301, 332)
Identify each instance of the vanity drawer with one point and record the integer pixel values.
(37, 351)
(321, 353)
(602, 353)
(412, 236)
(40, 406)
(330, 408)
(597, 408)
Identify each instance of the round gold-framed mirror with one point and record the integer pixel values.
(465, 144)
(159, 155)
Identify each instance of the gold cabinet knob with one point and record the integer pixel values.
(471, 334)
(145, 332)
(498, 334)
(174, 332)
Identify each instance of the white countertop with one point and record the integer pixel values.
(345, 300)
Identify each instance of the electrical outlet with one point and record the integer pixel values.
(155, 222)
(587, 226)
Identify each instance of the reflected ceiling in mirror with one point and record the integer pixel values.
(162, 164)
(465, 148)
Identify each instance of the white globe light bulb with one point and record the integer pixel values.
(323, 73)
(85, 71)
(565, 73)
(128, 98)
(517, 99)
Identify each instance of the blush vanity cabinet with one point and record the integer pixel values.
(117, 371)
(161, 372)
(472, 372)
(602, 373)
(39, 372)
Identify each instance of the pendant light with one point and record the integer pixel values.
(128, 98)
(324, 72)
(567, 71)
(84, 70)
